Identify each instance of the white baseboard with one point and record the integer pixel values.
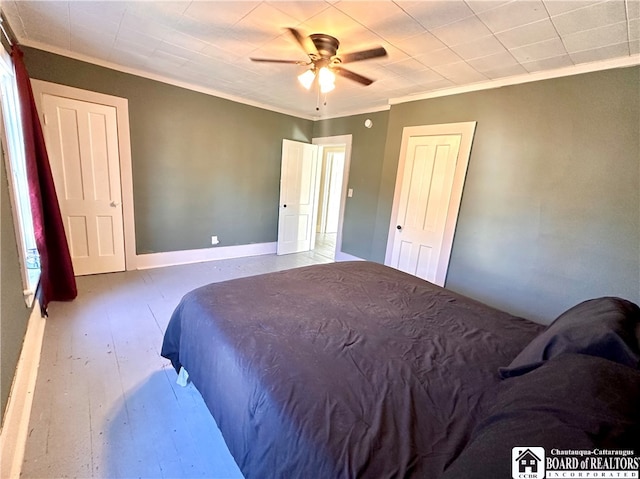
(340, 256)
(15, 429)
(173, 258)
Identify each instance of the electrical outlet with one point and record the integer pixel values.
(214, 240)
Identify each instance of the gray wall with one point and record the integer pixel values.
(550, 213)
(202, 165)
(367, 156)
(14, 314)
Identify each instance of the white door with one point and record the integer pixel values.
(82, 142)
(298, 197)
(431, 174)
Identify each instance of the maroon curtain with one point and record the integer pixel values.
(57, 281)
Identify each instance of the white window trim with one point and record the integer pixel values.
(29, 283)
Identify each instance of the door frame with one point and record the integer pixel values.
(325, 184)
(340, 140)
(121, 105)
(466, 131)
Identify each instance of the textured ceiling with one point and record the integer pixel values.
(432, 45)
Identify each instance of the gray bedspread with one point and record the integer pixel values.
(343, 370)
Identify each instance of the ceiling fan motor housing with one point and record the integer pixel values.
(326, 45)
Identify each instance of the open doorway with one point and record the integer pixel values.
(333, 167)
(329, 198)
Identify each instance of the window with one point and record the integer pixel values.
(12, 143)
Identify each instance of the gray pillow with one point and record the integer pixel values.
(606, 327)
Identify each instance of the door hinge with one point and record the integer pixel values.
(45, 119)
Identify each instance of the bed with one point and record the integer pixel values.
(345, 370)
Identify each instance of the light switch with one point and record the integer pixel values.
(350, 192)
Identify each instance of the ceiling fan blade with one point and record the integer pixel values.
(363, 55)
(274, 60)
(352, 76)
(305, 42)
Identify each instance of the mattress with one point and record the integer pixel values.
(349, 369)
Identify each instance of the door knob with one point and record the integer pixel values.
(399, 227)
(284, 206)
(113, 204)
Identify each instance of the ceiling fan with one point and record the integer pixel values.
(324, 62)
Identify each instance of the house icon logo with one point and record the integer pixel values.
(527, 463)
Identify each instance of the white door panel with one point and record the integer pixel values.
(82, 141)
(429, 189)
(298, 196)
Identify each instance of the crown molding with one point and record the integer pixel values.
(622, 62)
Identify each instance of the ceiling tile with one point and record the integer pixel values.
(387, 19)
(482, 5)
(433, 14)
(586, 18)
(634, 30)
(300, 11)
(460, 73)
(187, 42)
(165, 13)
(420, 44)
(406, 68)
(219, 13)
(633, 9)
(552, 63)
(334, 22)
(505, 71)
(435, 85)
(10, 9)
(133, 40)
(596, 38)
(169, 58)
(219, 53)
(556, 7)
(513, 14)
(267, 19)
(108, 12)
(177, 51)
(597, 54)
(282, 47)
(539, 51)
(91, 42)
(481, 47)
(435, 58)
(427, 76)
(243, 40)
(44, 21)
(92, 23)
(142, 24)
(461, 31)
(494, 62)
(130, 58)
(527, 34)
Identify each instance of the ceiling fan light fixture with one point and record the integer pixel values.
(327, 80)
(306, 79)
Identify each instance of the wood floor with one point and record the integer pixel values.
(106, 404)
